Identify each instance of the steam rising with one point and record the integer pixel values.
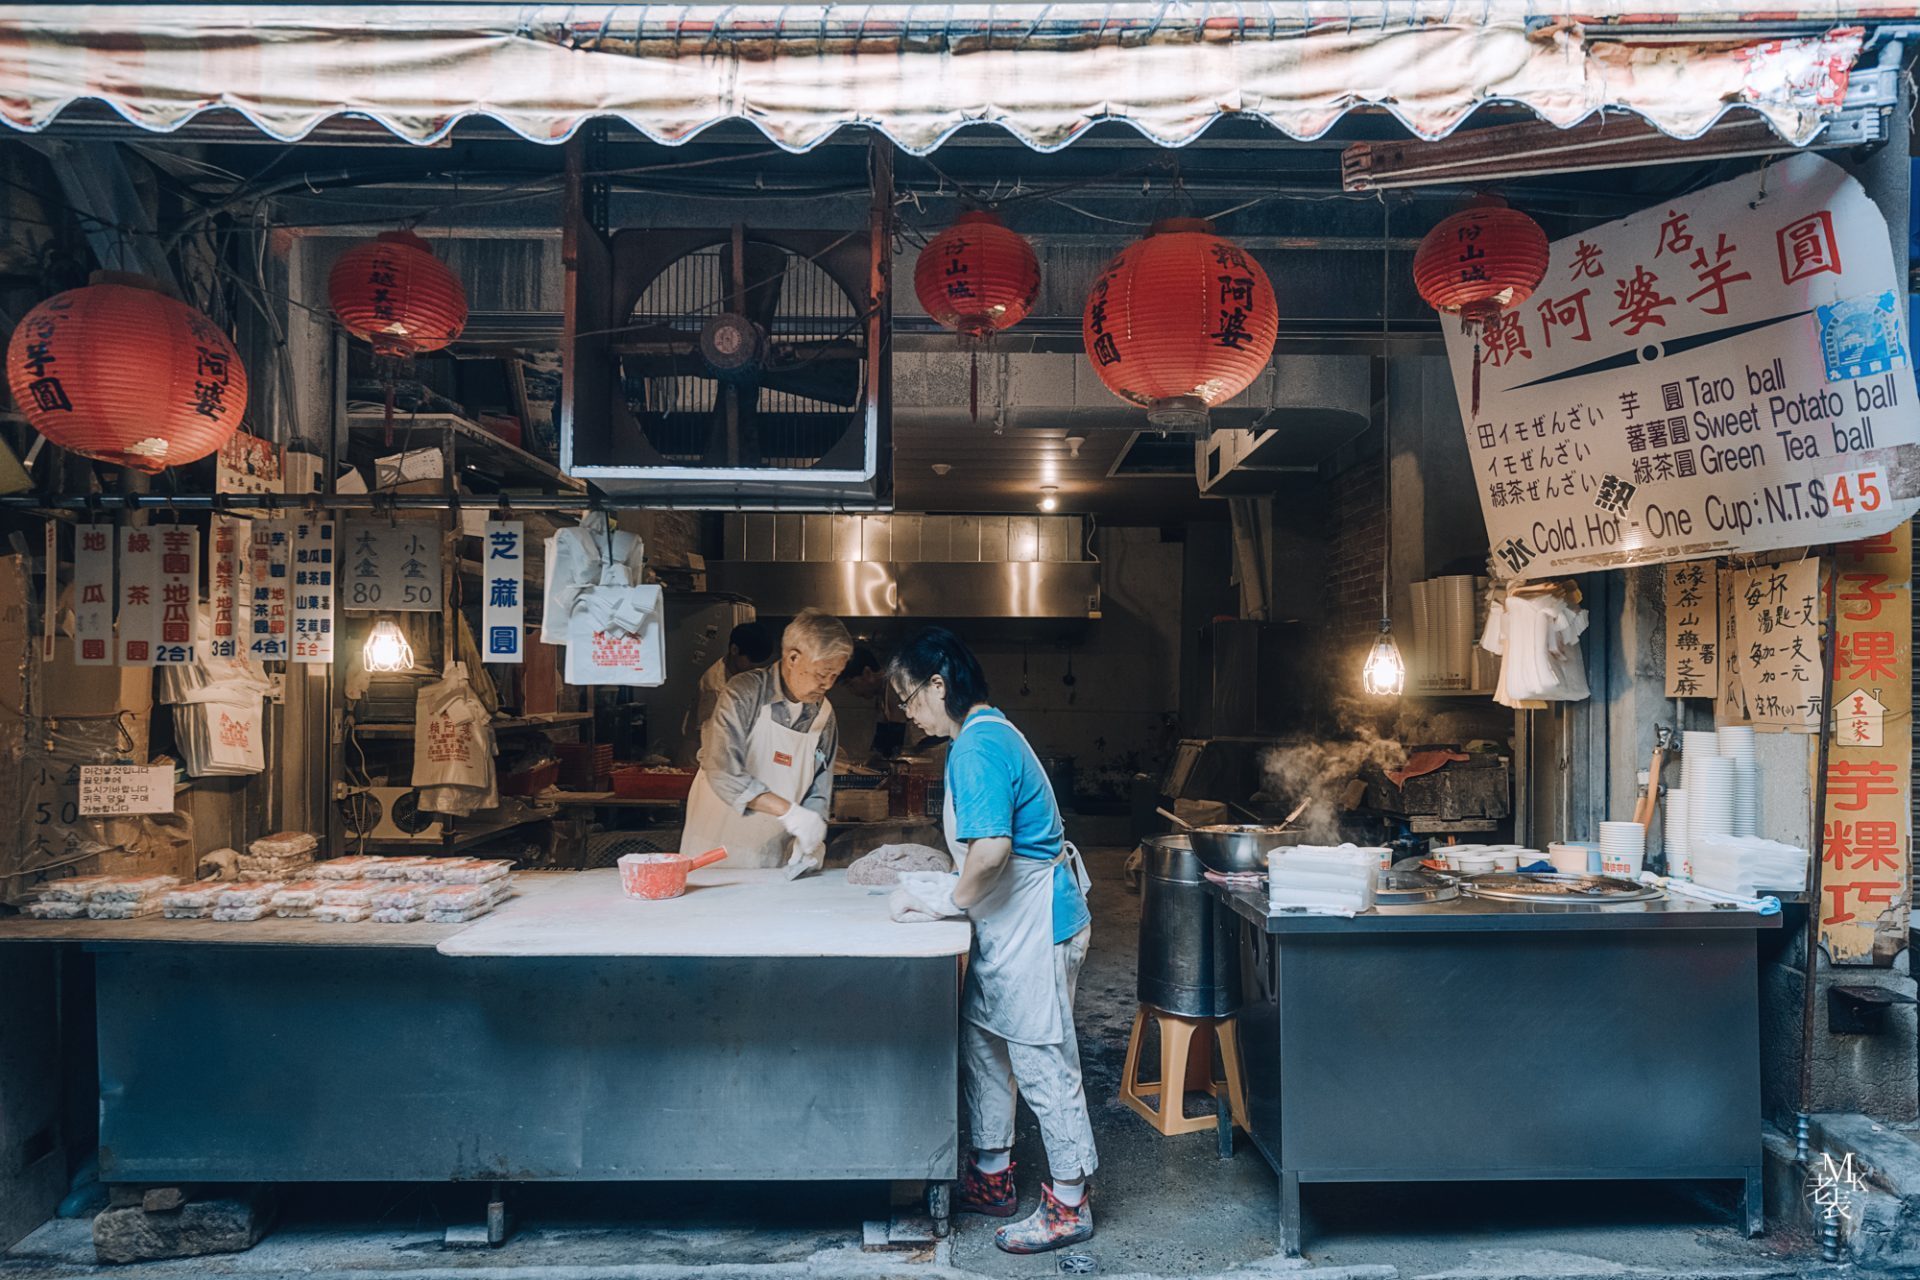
(1320, 771)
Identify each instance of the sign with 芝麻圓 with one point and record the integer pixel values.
(1727, 371)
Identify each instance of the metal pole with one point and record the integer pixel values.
(1810, 989)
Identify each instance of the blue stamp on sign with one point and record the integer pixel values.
(503, 640)
(1860, 337)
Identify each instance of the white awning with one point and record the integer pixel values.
(916, 73)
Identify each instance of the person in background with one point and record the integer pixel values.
(1023, 887)
(749, 645)
(765, 784)
(872, 725)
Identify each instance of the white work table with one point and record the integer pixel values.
(724, 914)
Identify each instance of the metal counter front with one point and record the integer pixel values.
(1472, 1040)
(822, 1045)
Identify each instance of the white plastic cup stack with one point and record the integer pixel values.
(1710, 800)
(1737, 744)
(1623, 848)
(1674, 841)
(1696, 745)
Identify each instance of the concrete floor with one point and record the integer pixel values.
(1164, 1206)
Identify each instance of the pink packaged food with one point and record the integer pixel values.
(284, 844)
(352, 893)
(257, 911)
(434, 869)
(334, 913)
(301, 896)
(72, 889)
(391, 869)
(250, 894)
(126, 889)
(392, 896)
(353, 868)
(396, 915)
(44, 910)
(98, 910)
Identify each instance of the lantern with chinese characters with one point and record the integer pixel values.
(1180, 321)
(977, 278)
(121, 372)
(394, 293)
(1478, 263)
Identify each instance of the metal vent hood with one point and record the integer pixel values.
(911, 566)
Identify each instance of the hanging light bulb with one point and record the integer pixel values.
(1049, 498)
(1385, 675)
(386, 649)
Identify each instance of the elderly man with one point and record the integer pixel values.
(766, 757)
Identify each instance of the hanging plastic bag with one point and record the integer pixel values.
(635, 654)
(453, 747)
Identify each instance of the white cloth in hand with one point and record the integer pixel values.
(924, 896)
(808, 829)
(805, 861)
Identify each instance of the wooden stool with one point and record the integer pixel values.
(1189, 1060)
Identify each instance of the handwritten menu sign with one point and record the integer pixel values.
(93, 595)
(139, 596)
(391, 567)
(108, 790)
(271, 553)
(1729, 371)
(313, 568)
(227, 572)
(502, 564)
(1777, 621)
(1868, 823)
(1693, 630)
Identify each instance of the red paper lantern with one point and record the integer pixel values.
(1179, 322)
(121, 372)
(394, 293)
(977, 277)
(1478, 263)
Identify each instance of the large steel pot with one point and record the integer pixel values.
(1188, 965)
(1236, 848)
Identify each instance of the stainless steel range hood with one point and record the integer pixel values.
(908, 566)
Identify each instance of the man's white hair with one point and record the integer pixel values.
(819, 635)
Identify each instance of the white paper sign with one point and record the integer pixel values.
(1691, 379)
(1693, 630)
(270, 569)
(93, 595)
(111, 789)
(139, 596)
(1859, 720)
(502, 564)
(1777, 617)
(313, 565)
(391, 567)
(228, 592)
(179, 593)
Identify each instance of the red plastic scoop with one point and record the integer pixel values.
(656, 876)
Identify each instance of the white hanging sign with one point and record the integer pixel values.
(228, 592)
(1860, 720)
(502, 578)
(108, 790)
(313, 565)
(139, 596)
(93, 595)
(1728, 371)
(179, 593)
(391, 567)
(271, 554)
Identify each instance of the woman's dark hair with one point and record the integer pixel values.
(754, 641)
(936, 651)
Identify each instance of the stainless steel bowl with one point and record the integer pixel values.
(1234, 848)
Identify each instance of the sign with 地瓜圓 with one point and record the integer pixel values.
(1728, 371)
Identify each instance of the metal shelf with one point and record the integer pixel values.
(479, 452)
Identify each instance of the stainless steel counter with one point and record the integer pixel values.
(1494, 916)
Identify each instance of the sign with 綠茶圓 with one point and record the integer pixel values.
(1728, 371)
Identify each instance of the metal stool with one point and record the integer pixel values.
(1189, 1061)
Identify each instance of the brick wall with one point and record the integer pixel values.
(1356, 540)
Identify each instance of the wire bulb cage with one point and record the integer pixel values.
(386, 649)
(1385, 675)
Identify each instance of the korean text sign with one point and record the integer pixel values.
(1729, 371)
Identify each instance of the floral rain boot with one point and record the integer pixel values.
(1050, 1226)
(988, 1193)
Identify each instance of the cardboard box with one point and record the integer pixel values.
(868, 804)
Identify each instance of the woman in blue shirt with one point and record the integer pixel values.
(1022, 886)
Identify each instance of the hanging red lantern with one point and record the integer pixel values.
(977, 278)
(394, 293)
(1478, 263)
(1179, 322)
(121, 372)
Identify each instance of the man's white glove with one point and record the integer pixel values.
(924, 896)
(808, 829)
(802, 862)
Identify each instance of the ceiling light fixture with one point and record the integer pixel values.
(1049, 497)
(1385, 672)
(1073, 445)
(941, 468)
(386, 649)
